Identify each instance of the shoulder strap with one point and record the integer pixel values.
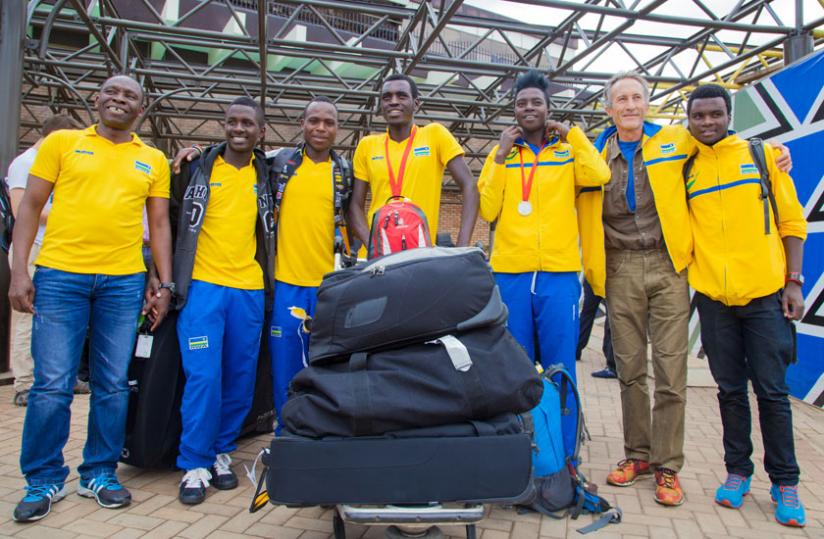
(565, 382)
(758, 156)
(283, 167)
(342, 184)
(686, 172)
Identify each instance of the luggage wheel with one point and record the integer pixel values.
(409, 521)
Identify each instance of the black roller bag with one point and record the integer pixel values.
(406, 297)
(155, 387)
(478, 461)
(475, 375)
(153, 422)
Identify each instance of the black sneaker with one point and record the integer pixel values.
(106, 490)
(193, 486)
(223, 478)
(38, 501)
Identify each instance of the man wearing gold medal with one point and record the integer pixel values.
(528, 184)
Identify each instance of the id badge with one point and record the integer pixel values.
(144, 346)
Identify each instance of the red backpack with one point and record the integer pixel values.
(397, 226)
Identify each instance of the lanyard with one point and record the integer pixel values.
(396, 185)
(526, 185)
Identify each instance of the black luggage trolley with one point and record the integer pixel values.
(445, 476)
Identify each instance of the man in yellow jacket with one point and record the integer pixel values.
(528, 185)
(749, 236)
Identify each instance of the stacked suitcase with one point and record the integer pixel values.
(412, 392)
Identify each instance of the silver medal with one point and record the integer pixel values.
(524, 207)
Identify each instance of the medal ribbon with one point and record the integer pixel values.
(397, 184)
(526, 185)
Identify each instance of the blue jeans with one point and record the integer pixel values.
(543, 318)
(66, 305)
(219, 334)
(753, 342)
(288, 345)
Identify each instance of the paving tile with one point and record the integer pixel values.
(157, 514)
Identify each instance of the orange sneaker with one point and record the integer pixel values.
(668, 490)
(627, 472)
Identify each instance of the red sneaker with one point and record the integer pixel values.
(627, 472)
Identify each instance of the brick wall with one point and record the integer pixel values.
(450, 219)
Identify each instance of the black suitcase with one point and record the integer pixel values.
(261, 417)
(402, 298)
(480, 462)
(155, 388)
(475, 375)
(153, 423)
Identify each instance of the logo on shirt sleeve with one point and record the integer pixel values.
(667, 148)
(84, 152)
(198, 343)
(749, 168)
(143, 167)
(423, 151)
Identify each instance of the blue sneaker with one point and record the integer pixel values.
(38, 501)
(106, 489)
(789, 510)
(731, 493)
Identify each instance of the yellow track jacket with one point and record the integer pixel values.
(665, 149)
(547, 239)
(735, 260)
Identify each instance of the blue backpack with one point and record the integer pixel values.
(560, 488)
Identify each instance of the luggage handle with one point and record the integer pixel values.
(362, 423)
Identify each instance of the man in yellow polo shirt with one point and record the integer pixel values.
(431, 149)
(306, 231)
(528, 185)
(746, 271)
(90, 275)
(222, 264)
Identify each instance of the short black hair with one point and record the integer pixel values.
(245, 101)
(319, 99)
(533, 79)
(400, 76)
(707, 91)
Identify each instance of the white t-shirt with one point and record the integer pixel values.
(17, 178)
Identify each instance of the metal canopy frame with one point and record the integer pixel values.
(465, 59)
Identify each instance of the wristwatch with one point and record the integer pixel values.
(794, 277)
(170, 285)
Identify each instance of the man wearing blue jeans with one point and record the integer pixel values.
(89, 276)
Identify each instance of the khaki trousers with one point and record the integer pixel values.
(22, 364)
(645, 294)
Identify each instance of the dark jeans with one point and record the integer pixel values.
(753, 342)
(588, 312)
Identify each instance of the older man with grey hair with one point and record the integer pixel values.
(648, 246)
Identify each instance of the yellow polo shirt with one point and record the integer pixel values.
(226, 245)
(433, 148)
(100, 190)
(735, 261)
(306, 226)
